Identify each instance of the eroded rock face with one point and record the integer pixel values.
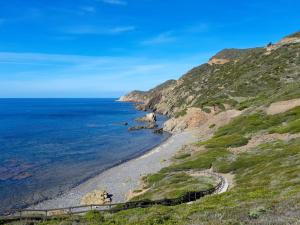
(218, 61)
(282, 42)
(194, 117)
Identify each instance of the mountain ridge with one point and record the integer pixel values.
(234, 78)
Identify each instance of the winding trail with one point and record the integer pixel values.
(221, 178)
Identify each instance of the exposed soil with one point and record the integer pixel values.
(282, 106)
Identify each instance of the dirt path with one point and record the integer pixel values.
(226, 179)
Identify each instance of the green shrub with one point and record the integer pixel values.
(225, 141)
(154, 178)
(291, 127)
(183, 156)
(203, 160)
(181, 113)
(175, 185)
(94, 217)
(212, 126)
(207, 110)
(260, 121)
(255, 213)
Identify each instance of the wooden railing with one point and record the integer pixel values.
(116, 207)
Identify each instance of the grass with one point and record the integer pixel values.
(174, 185)
(260, 78)
(253, 123)
(225, 141)
(182, 156)
(291, 127)
(267, 182)
(202, 161)
(266, 192)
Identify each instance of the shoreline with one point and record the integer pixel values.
(124, 177)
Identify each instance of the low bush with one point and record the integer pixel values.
(225, 141)
(94, 217)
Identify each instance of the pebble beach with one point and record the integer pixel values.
(126, 177)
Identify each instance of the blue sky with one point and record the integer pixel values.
(105, 48)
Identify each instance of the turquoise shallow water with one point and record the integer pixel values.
(48, 146)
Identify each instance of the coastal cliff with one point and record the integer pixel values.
(232, 79)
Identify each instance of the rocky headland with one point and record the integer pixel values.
(232, 79)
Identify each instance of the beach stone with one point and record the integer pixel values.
(96, 197)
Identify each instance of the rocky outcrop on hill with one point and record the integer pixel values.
(291, 39)
(193, 118)
(96, 197)
(232, 79)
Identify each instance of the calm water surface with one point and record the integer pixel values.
(48, 146)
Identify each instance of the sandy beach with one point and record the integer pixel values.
(122, 179)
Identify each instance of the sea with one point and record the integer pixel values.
(48, 146)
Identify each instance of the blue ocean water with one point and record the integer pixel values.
(48, 146)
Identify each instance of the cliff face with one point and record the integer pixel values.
(233, 78)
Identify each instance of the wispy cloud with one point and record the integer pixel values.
(38, 74)
(162, 38)
(82, 30)
(114, 2)
(88, 9)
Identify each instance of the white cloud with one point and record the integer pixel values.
(81, 30)
(114, 2)
(162, 38)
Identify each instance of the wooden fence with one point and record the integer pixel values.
(116, 207)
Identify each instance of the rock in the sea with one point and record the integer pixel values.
(150, 125)
(150, 117)
(158, 131)
(136, 128)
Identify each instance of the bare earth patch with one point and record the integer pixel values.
(283, 106)
(259, 139)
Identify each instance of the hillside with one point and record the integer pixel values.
(236, 78)
(245, 105)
